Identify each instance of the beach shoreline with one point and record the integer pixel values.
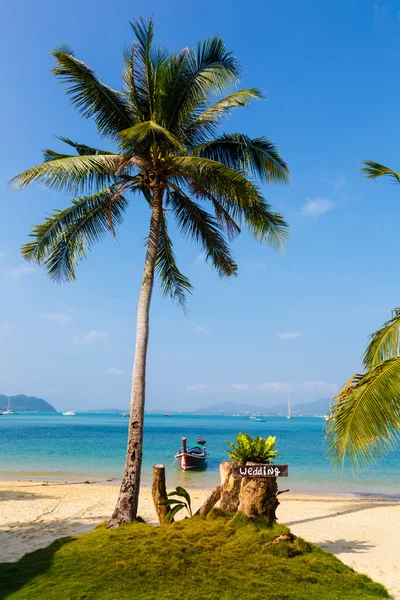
(357, 529)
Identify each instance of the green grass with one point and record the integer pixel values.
(194, 559)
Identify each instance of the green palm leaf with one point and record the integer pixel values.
(200, 225)
(89, 95)
(365, 418)
(73, 174)
(373, 170)
(173, 282)
(62, 241)
(141, 136)
(384, 343)
(257, 157)
(207, 122)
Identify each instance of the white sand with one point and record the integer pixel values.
(363, 532)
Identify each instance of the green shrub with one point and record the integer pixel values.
(259, 450)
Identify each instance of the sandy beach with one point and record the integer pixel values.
(361, 531)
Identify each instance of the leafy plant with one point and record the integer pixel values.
(176, 505)
(258, 450)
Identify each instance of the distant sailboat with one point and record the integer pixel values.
(9, 410)
(69, 413)
(289, 412)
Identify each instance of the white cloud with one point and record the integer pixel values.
(317, 386)
(17, 272)
(200, 330)
(241, 387)
(92, 337)
(315, 207)
(58, 317)
(304, 386)
(114, 371)
(258, 266)
(289, 336)
(5, 325)
(197, 387)
(200, 258)
(274, 386)
(2, 254)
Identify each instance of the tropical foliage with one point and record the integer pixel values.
(176, 504)
(364, 421)
(164, 145)
(257, 450)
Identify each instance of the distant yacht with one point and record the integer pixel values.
(69, 413)
(9, 410)
(259, 420)
(167, 415)
(289, 412)
(253, 417)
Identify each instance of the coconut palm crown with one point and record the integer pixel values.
(163, 128)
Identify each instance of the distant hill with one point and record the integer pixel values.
(307, 409)
(23, 403)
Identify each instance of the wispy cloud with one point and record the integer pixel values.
(200, 258)
(5, 325)
(115, 371)
(304, 386)
(91, 337)
(197, 387)
(2, 254)
(17, 272)
(289, 335)
(314, 207)
(57, 317)
(200, 330)
(240, 387)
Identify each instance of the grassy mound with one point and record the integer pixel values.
(194, 559)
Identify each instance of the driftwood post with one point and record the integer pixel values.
(159, 492)
(210, 502)
(258, 497)
(230, 487)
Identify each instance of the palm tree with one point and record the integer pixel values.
(364, 421)
(163, 126)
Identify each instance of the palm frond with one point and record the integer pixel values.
(206, 123)
(82, 149)
(384, 343)
(365, 419)
(63, 240)
(89, 95)
(201, 226)
(173, 282)
(141, 136)
(373, 170)
(203, 72)
(236, 194)
(73, 174)
(257, 157)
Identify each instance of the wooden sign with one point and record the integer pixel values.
(261, 471)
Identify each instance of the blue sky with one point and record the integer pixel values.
(293, 324)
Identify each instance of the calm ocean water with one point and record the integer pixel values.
(52, 446)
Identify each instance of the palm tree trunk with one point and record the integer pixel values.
(127, 504)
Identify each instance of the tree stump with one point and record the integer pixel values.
(210, 502)
(230, 487)
(258, 497)
(159, 492)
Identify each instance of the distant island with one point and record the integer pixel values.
(306, 409)
(22, 403)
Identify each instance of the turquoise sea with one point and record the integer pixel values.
(92, 447)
